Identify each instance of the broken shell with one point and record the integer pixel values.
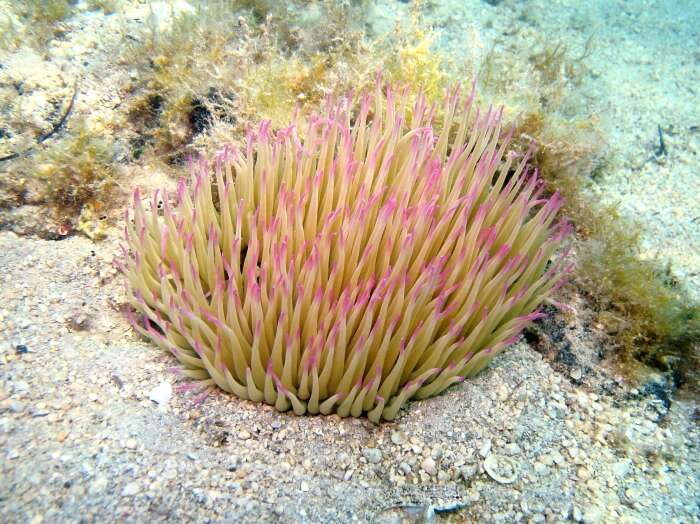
(503, 470)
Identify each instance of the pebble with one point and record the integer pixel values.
(398, 438)
(244, 434)
(540, 468)
(468, 471)
(97, 485)
(131, 443)
(512, 449)
(428, 465)
(621, 468)
(131, 489)
(373, 455)
(20, 386)
(12, 405)
(485, 448)
(633, 494)
(593, 515)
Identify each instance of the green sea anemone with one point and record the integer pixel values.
(349, 263)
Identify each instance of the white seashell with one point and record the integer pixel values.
(161, 394)
(503, 470)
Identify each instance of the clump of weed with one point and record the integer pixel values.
(176, 64)
(239, 62)
(106, 6)
(640, 305)
(70, 172)
(639, 302)
(46, 11)
(10, 31)
(646, 314)
(34, 22)
(415, 59)
(232, 60)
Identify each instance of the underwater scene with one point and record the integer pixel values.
(350, 261)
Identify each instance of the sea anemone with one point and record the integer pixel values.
(379, 251)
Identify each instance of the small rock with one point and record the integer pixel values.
(485, 448)
(547, 459)
(244, 434)
(20, 386)
(621, 468)
(428, 465)
(131, 489)
(97, 485)
(200, 496)
(398, 438)
(593, 515)
(405, 467)
(468, 471)
(512, 448)
(304, 486)
(117, 381)
(633, 494)
(131, 443)
(540, 468)
(373, 455)
(162, 393)
(343, 459)
(12, 405)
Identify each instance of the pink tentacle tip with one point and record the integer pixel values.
(185, 387)
(199, 400)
